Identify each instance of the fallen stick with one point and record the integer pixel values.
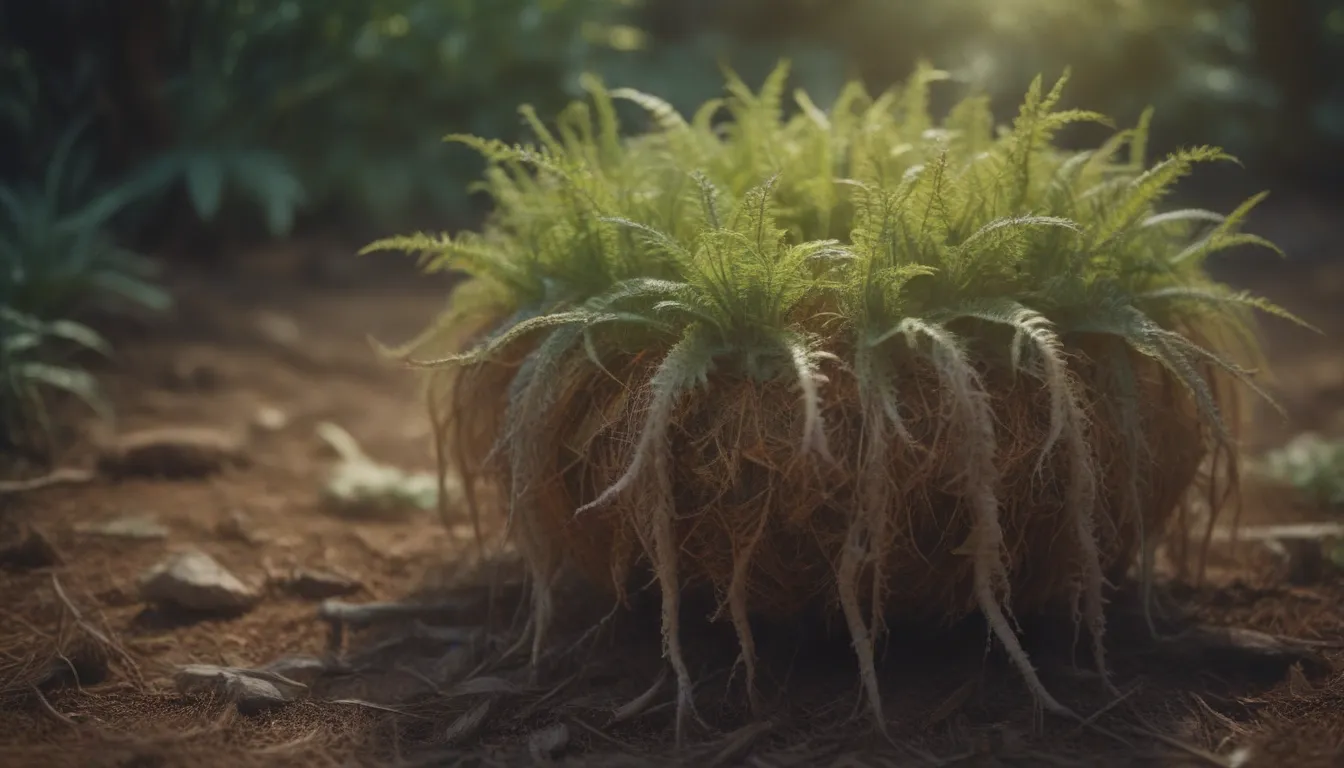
(365, 614)
(1300, 545)
(339, 615)
(1237, 647)
(65, 476)
(1281, 532)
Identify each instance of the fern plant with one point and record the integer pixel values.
(58, 261)
(853, 357)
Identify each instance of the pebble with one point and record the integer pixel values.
(270, 419)
(279, 329)
(253, 691)
(238, 527)
(302, 669)
(312, 584)
(172, 452)
(187, 374)
(194, 581)
(549, 743)
(24, 548)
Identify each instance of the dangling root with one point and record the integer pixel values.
(738, 609)
(867, 539)
(703, 487)
(972, 415)
(665, 564)
(684, 364)
(847, 580)
(1069, 421)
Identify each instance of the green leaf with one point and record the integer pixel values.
(267, 178)
(13, 345)
(79, 334)
(81, 384)
(205, 184)
(136, 291)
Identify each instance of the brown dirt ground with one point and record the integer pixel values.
(216, 364)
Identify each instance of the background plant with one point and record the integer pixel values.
(1313, 465)
(59, 262)
(244, 117)
(235, 103)
(331, 108)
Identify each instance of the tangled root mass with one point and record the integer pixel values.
(984, 490)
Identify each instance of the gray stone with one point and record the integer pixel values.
(302, 669)
(312, 584)
(252, 690)
(238, 527)
(24, 548)
(195, 581)
(548, 743)
(270, 419)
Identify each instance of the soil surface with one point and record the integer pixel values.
(266, 352)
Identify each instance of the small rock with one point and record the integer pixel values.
(469, 724)
(270, 419)
(1298, 684)
(23, 548)
(172, 452)
(188, 374)
(126, 528)
(320, 585)
(279, 329)
(195, 581)
(85, 662)
(237, 527)
(549, 743)
(301, 669)
(252, 690)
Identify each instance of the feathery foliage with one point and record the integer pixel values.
(799, 245)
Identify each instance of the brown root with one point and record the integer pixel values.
(932, 520)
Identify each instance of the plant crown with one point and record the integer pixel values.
(755, 242)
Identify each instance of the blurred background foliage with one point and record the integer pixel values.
(268, 113)
(190, 127)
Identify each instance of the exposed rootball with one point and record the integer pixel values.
(848, 362)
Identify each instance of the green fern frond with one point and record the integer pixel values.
(1184, 216)
(1223, 297)
(665, 116)
(1150, 186)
